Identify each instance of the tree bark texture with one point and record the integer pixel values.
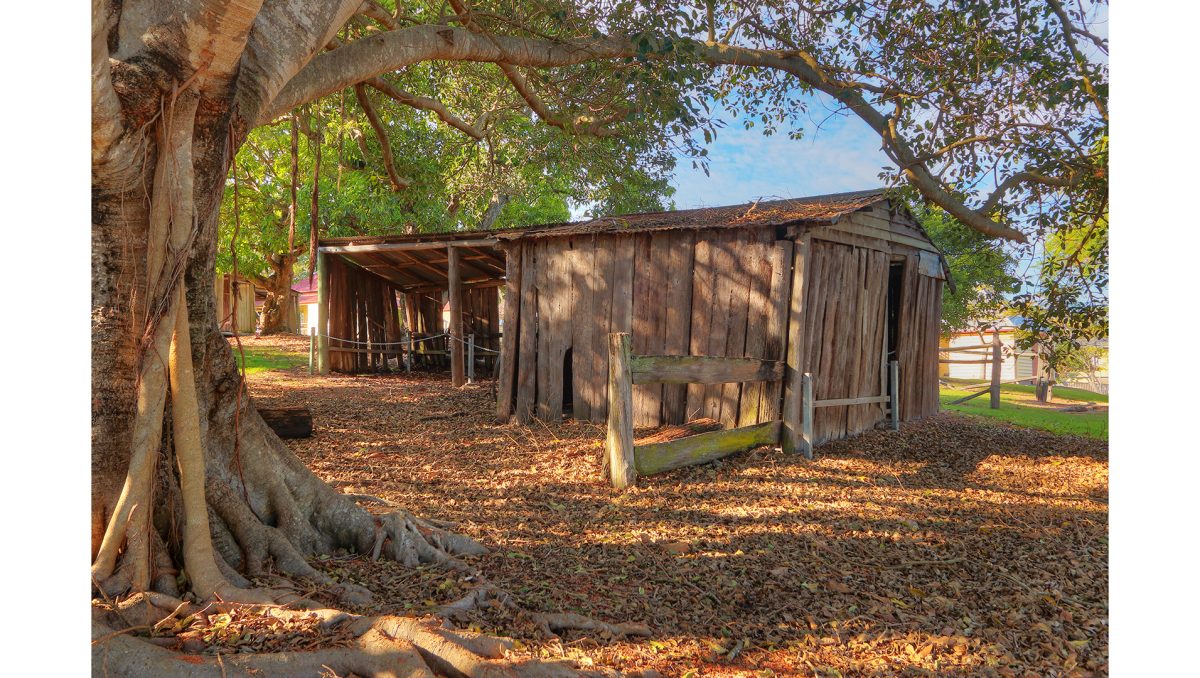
(177, 445)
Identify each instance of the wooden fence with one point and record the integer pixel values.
(996, 360)
(626, 461)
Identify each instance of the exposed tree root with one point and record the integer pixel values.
(382, 646)
(549, 623)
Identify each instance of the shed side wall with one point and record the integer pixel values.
(646, 284)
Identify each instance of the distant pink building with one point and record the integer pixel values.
(306, 292)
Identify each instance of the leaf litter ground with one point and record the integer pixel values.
(954, 547)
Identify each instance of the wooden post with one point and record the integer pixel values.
(894, 387)
(619, 443)
(806, 426)
(1037, 363)
(471, 358)
(312, 349)
(996, 369)
(322, 312)
(457, 375)
(507, 363)
(408, 351)
(789, 433)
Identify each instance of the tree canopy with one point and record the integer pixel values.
(994, 112)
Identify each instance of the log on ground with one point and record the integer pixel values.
(288, 422)
(702, 448)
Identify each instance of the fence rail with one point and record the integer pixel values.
(996, 359)
(626, 461)
(403, 350)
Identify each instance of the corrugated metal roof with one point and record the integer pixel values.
(818, 209)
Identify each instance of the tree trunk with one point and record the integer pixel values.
(187, 479)
(155, 233)
(277, 314)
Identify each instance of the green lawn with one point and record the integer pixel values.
(1012, 410)
(1060, 392)
(262, 358)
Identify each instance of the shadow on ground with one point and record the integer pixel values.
(952, 547)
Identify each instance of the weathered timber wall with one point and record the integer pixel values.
(721, 292)
(920, 312)
(363, 314)
(845, 335)
(707, 292)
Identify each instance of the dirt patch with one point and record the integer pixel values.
(1064, 406)
(953, 547)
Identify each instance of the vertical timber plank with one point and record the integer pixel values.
(545, 312)
(757, 319)
(508, 341)
(619, 441)
(454, 272)
(676, 327)
(583, 273)
(601, 315)
(777, 325)
(718, 338)
(322, 312)
(527, 359)
(790, 432)
(701, 317)
(744, 254)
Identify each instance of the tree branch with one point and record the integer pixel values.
(519, 83)
(475, 131)
(370, 57)
(1080, 62)
(1027, 176)
(385, 146)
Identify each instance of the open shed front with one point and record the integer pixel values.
(836, 286)
(383, 296)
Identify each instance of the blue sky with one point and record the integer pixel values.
(844, 155)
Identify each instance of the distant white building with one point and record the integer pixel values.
(1015, 364)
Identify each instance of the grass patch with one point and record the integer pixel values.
(1060, 392)
(1015, 411)
(262, 358)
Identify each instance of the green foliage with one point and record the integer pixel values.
(539, 173)
(982, 270)
(1008, 94)
(1067, 307)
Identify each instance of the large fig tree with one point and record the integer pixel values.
(188, 480)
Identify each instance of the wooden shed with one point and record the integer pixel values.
(836, 285)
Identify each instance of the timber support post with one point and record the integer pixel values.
(793, 400)
(408, 349)
(471, 358)
(996, 362)
(894, 392)
(618, 444)
(322, 312)
(454, 272)
(806, 424)
(312, 349)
